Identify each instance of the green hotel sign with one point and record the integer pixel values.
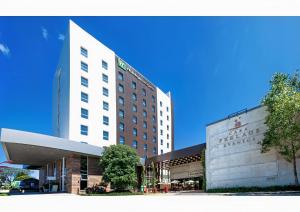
(125, 67)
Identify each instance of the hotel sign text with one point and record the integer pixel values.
(125, 67)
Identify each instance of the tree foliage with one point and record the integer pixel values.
(10, 174)
(283, 119)
(119, 165)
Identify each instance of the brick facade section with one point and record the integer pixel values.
(94, 172)
(72, 179)
(127, 108)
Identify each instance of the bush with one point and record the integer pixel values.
(96, 189)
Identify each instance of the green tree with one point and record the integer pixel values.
(22, 176)
(283, 106)
(119, 165)
(9, 174)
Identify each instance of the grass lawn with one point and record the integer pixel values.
(3, 194)
(115, 193)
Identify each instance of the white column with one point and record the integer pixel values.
(63, 175)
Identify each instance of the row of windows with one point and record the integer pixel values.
(84, 131)
(85, 67)
(85, 96)
(133, 86)
(134, 120)
(161, 104)
(135, 144)
(84, 52)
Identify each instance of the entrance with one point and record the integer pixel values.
(83, 172)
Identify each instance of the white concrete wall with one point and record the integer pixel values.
(96, 53)
(233, 156)
(166, 102)
(60, 92)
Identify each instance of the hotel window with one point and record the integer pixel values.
(84, 82)
(167, 127)
(153, 108)
(121, 88)
(133, 85)
(161, 142)
(135, 144)
(161, 151)
(168, 118)
(120, 76)
(154, 150)
(134, 131)
(84, 66)
(161, 113)
(104, 65)
(121, 100)
(134, 98)
(105, 120)
(122, 140)
(144, 103)
(121, 126)
(121, 114)
(105, 135)
(134, 108)
(168, 136)
(161, 122)
(145, 137)
(104, 78)
(145, 147)
(144, 92)
(145, 125)
(83, 130)
(145, 113)
(153, 119)
(105, 91)
(153, 99)
(84, 97)
(154, 129)
(84, 51)
(160, 103)
(84, 113)
(105, 106)
(161, 132)
(134, 119)
(167, 109)
(154, 139)
(168, 145)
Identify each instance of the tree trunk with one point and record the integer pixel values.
(295, 168)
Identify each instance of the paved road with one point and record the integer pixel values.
(181, 202)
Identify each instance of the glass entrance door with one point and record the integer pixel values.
(83, 172)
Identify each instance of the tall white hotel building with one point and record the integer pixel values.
(101, 100)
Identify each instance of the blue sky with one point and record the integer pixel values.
(213, 66)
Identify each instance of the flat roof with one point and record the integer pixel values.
(38, 149)
(235, 114)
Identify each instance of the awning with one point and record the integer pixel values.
(37, 149)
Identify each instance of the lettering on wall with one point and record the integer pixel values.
(125, 67)
(239, 134)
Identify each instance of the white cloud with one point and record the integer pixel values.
(45, 33)
(61, 37)
(4, 49)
